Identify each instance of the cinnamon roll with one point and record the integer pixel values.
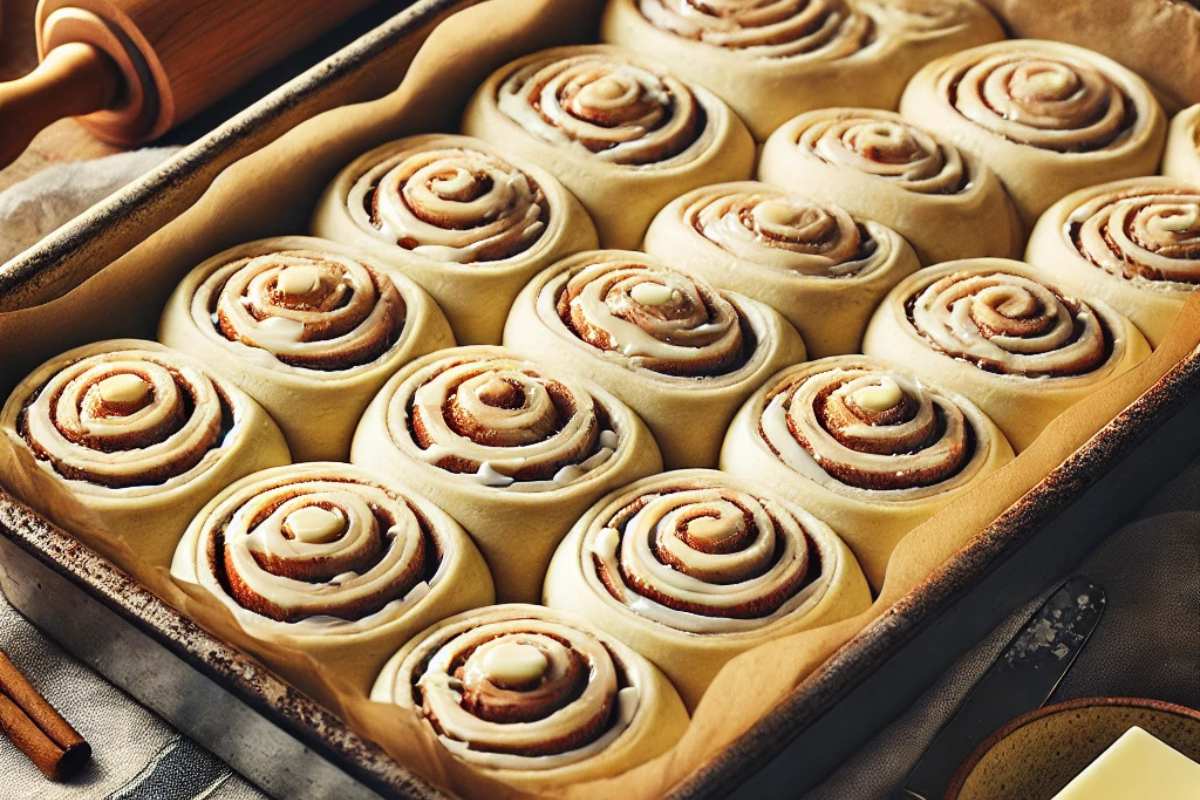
(458, 217)
(683, 355)
(822, 268)
(330, 560)
(877, 165)
(1048, 117)
(692, 567)
(772, 60)
(623, 134)
(866, 446)
(533, 697)
(140, 436)
(993, 329)
(309, 328)
(1134, 244)
(1182, 157)
(514, 450)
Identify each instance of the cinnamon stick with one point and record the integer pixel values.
(33, 725)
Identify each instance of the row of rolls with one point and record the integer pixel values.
(481, 404)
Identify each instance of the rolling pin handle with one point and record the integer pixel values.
(73, 79)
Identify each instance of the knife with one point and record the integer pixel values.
(1021, 679)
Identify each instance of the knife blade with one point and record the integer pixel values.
(1021, 679)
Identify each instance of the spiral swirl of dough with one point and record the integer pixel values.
(612, 107)
(659, 319)
(517, 687)
(451, 204)
(501, 421)
(860, 427)
(1010, 324)
(702, 557)
(321, 546)
(1051, 101)
(1150, 234)
(127, 418)
(772, 228)
(881, 144)
(810, 29)
(310, 310)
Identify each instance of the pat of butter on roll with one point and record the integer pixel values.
(1136, 767)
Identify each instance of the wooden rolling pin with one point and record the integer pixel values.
(133, 69)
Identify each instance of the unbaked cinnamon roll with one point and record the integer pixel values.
(535, 698)
(331, 560)
(822, 268)
(1182, 157)
(682, 354)
(623, 134)
(513, 449)
(1134, 244)
(879, 166)
(772, 60)
(692, 567)
(140, 436)
(464, 221)
(866, 446)
(309, 328)
(1048, 117)
(996, 331)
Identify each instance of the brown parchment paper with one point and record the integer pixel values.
(272, 192)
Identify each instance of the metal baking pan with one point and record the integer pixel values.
(291, 747)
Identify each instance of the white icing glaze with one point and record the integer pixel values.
(878, 397)
(512, 663)
(653, 294)
(316, 525)
(124, 388)
(298, 280)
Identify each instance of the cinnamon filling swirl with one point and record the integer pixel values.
(659, 319)
(785, 232)
(335, 547)
(1009, 324)
(871, 429)
(503, 422)
(451, 204)
(605, 105)
(524, 692)
(318, 311)
(882, 145)
(705, 558)
(125, 419)
(1141, 234)
(1050, 102)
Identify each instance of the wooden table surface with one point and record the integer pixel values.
(64, 140)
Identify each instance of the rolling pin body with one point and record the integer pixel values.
(167, 59)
